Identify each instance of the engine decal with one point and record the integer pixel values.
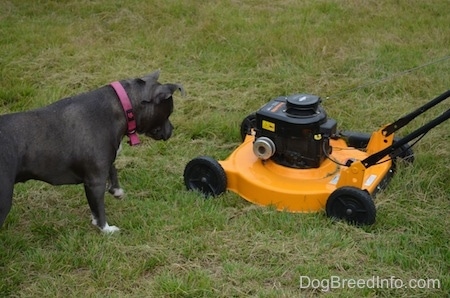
(277, 107)
(268, 125)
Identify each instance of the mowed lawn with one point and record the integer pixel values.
(371, 61)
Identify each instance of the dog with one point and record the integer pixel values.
(75, 140)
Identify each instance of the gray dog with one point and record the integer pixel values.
(75, 140)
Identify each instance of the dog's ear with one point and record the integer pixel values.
(153, 77)
(164, 92)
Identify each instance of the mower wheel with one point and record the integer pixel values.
(206, 175)
(352, 205)
(405, 152)
(247, 125)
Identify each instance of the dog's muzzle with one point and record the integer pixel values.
(161, 132)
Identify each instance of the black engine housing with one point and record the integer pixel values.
(299, 128)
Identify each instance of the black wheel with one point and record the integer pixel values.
(405, 152)
(206, 175)
(247, 125)
(352, 205)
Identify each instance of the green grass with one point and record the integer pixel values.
(232, 57)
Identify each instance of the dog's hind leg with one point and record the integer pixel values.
(6, 194)
(95, 194)
(8, 162)
(114, 187)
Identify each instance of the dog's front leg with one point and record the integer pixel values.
(114, 187)
(95, 194)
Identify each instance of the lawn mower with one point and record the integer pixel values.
(294, 158)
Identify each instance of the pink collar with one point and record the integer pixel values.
(128, 109)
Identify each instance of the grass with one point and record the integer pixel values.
(232, 57)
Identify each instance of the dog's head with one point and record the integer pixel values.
(155, 106)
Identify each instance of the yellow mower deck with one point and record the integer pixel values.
(303, 190)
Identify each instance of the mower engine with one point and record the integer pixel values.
(294, 131)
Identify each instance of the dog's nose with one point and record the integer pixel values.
(167, 131)
(167, 135)
(160, 134)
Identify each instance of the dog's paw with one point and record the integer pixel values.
(107, 229)
(94, 220)
(118, 193)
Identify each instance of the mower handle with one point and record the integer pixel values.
(377, 156)
(391, 128)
